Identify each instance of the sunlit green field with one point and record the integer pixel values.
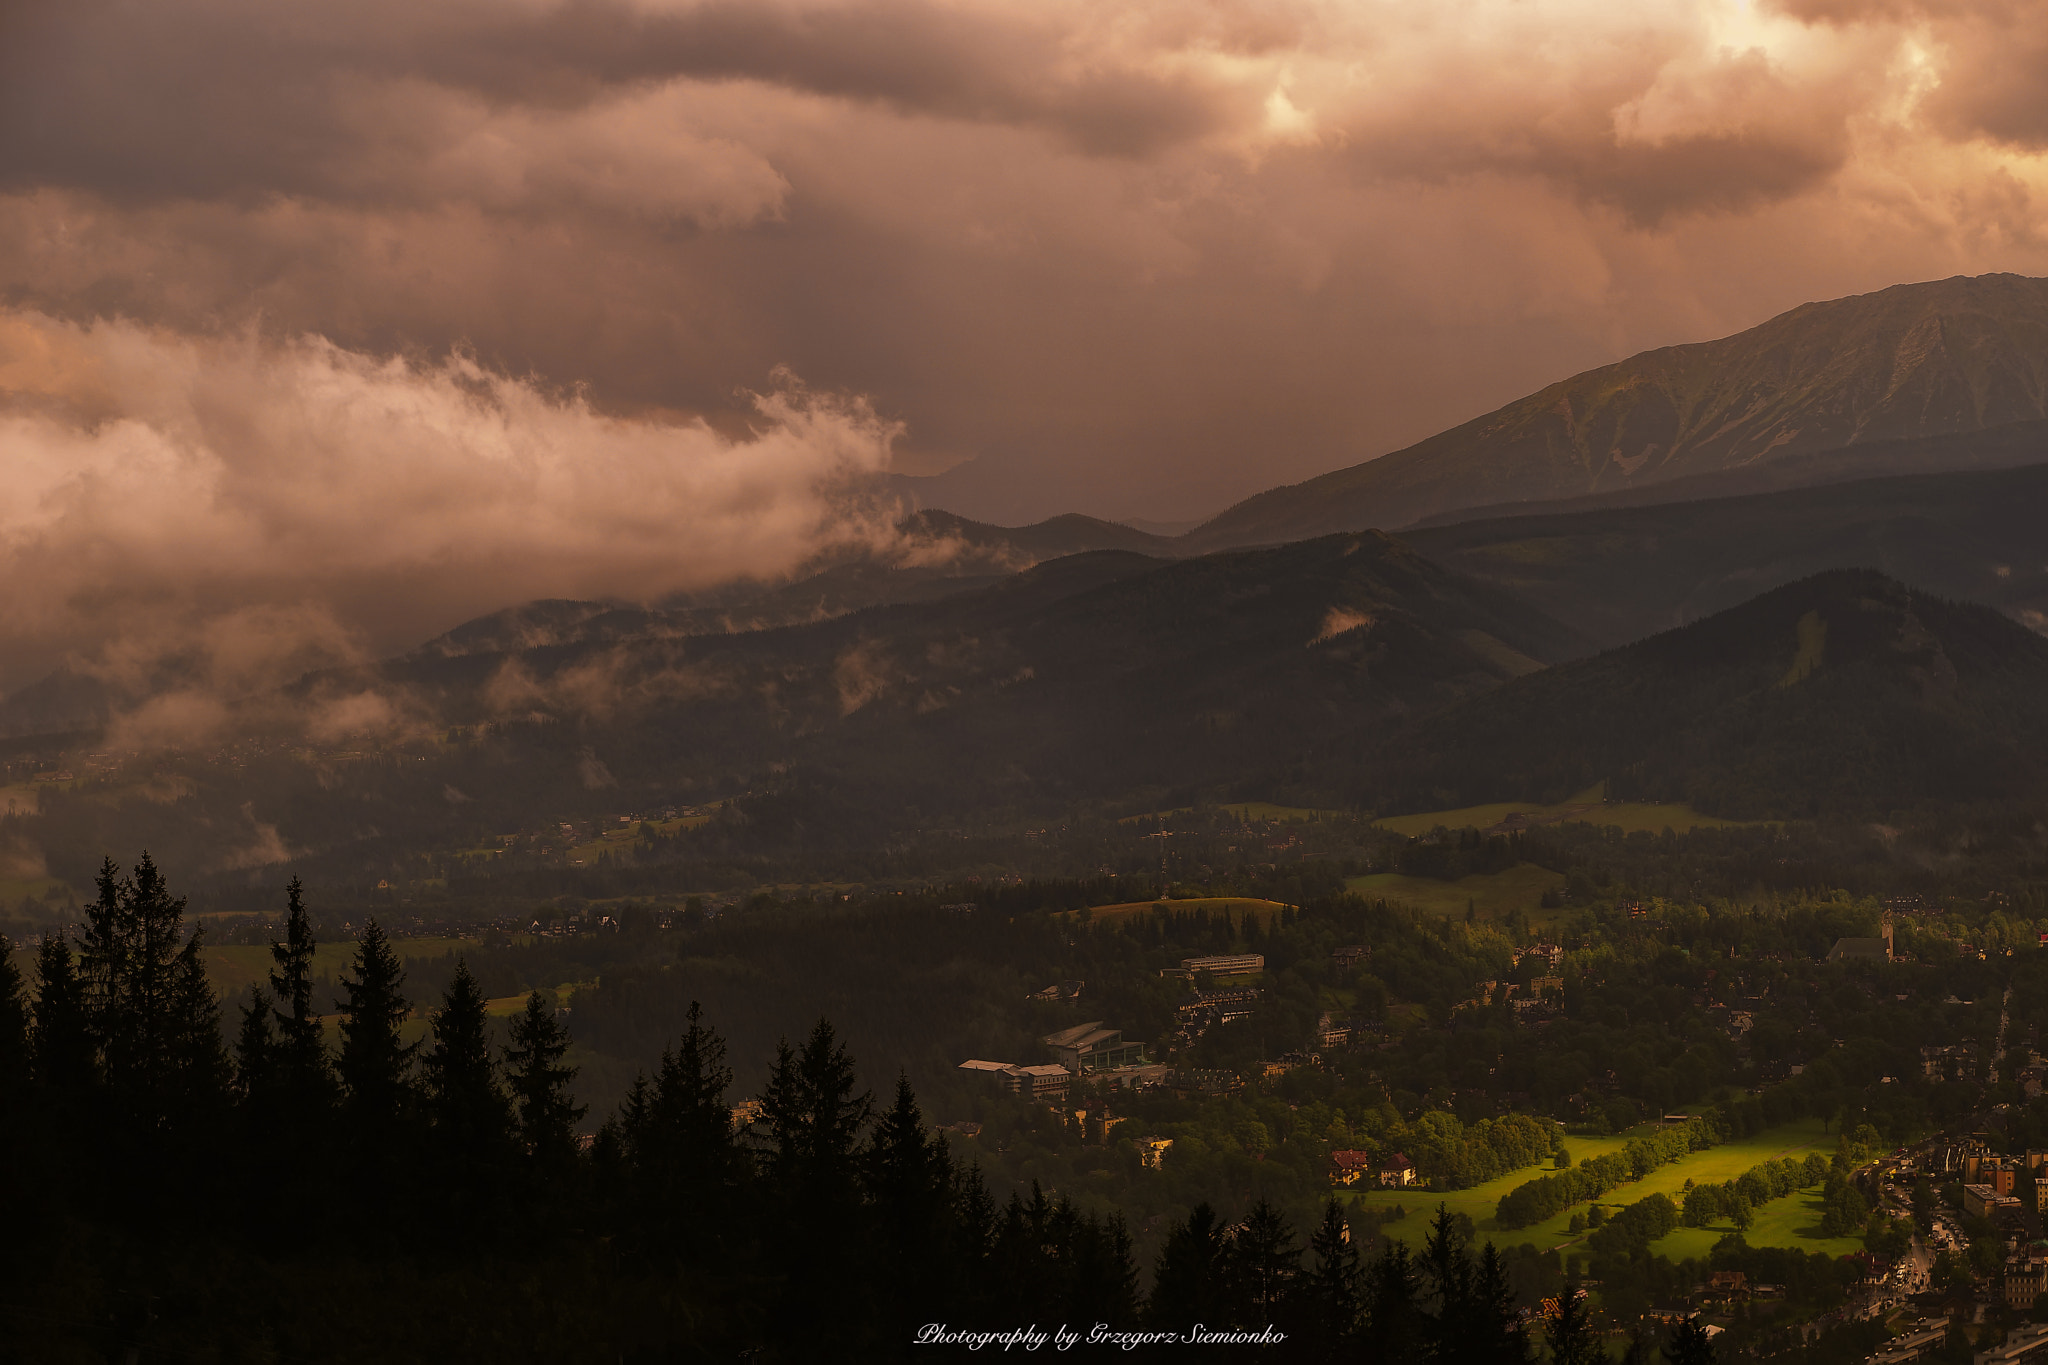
(1791, 1221)
(1489, 894)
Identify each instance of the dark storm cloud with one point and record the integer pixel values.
(1138, 259)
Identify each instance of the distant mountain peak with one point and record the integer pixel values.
(1913, 361)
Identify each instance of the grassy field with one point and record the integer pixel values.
(233, 969)
(1490, 895)
(1237, 909)
(1626, 816)
(1791, 1221)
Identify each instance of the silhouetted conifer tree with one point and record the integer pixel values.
(1025, 1263)
(377, 1095)
(305, 1076)
(1497, 1332)
(540, 1086)
(1332, 1303)
(1393, 1309)
(909, 1179)
(1689, 1344)
(1446, 1263)
(813, 1111)
(128, 961)
(61, 1048)
(1188, 1283)
(463, 1100)
(14, 1043)
(1569, 1332)
(813, 1119)
(1264, 1262)
(974, 1218)
(1104, 1281)
(256, 1063)
(679, 1134)
(471, 1120)
(200, 1072)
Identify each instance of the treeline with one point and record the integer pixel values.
(1738, 1199)
(1549, 1195)
(1452, 1156)
(1628, 1234)
(171, 1194)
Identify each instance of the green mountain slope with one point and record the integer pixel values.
(1918, 360)
(1845, 694)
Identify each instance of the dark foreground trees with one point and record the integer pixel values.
(386, 1183)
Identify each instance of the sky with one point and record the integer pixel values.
(325, 325)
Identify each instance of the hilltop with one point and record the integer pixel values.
(1846, 694)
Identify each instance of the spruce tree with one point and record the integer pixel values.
(14, 1042)
(256, 1061)
(1393, 1304)
(1332, 1303)
(374, 1065)
(908, 1176)
(1689, 1343)
(974, 1221)
(463, 1102)
(1189, 1279)
(687, 1162)
(61, 1049)
(200, 1072)
(1569, 1332)
(129, 963)
(1264, 1262)
(540, 1085)
(813, 1118)
(305, 1076)
(1104, 1283)
(813, 1113)
(1446, 1263)
(471, 1121)
(1497, 1333)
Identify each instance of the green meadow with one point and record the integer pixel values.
(1792, 1221)
(1489, 894)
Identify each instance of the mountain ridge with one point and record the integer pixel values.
(1937, 358)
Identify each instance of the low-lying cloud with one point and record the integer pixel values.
(201, 518)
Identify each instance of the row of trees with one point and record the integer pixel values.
(1738, 1199)
(1533, 1201)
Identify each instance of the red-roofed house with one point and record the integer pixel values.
(1397, 1170)
(1346, 1167)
